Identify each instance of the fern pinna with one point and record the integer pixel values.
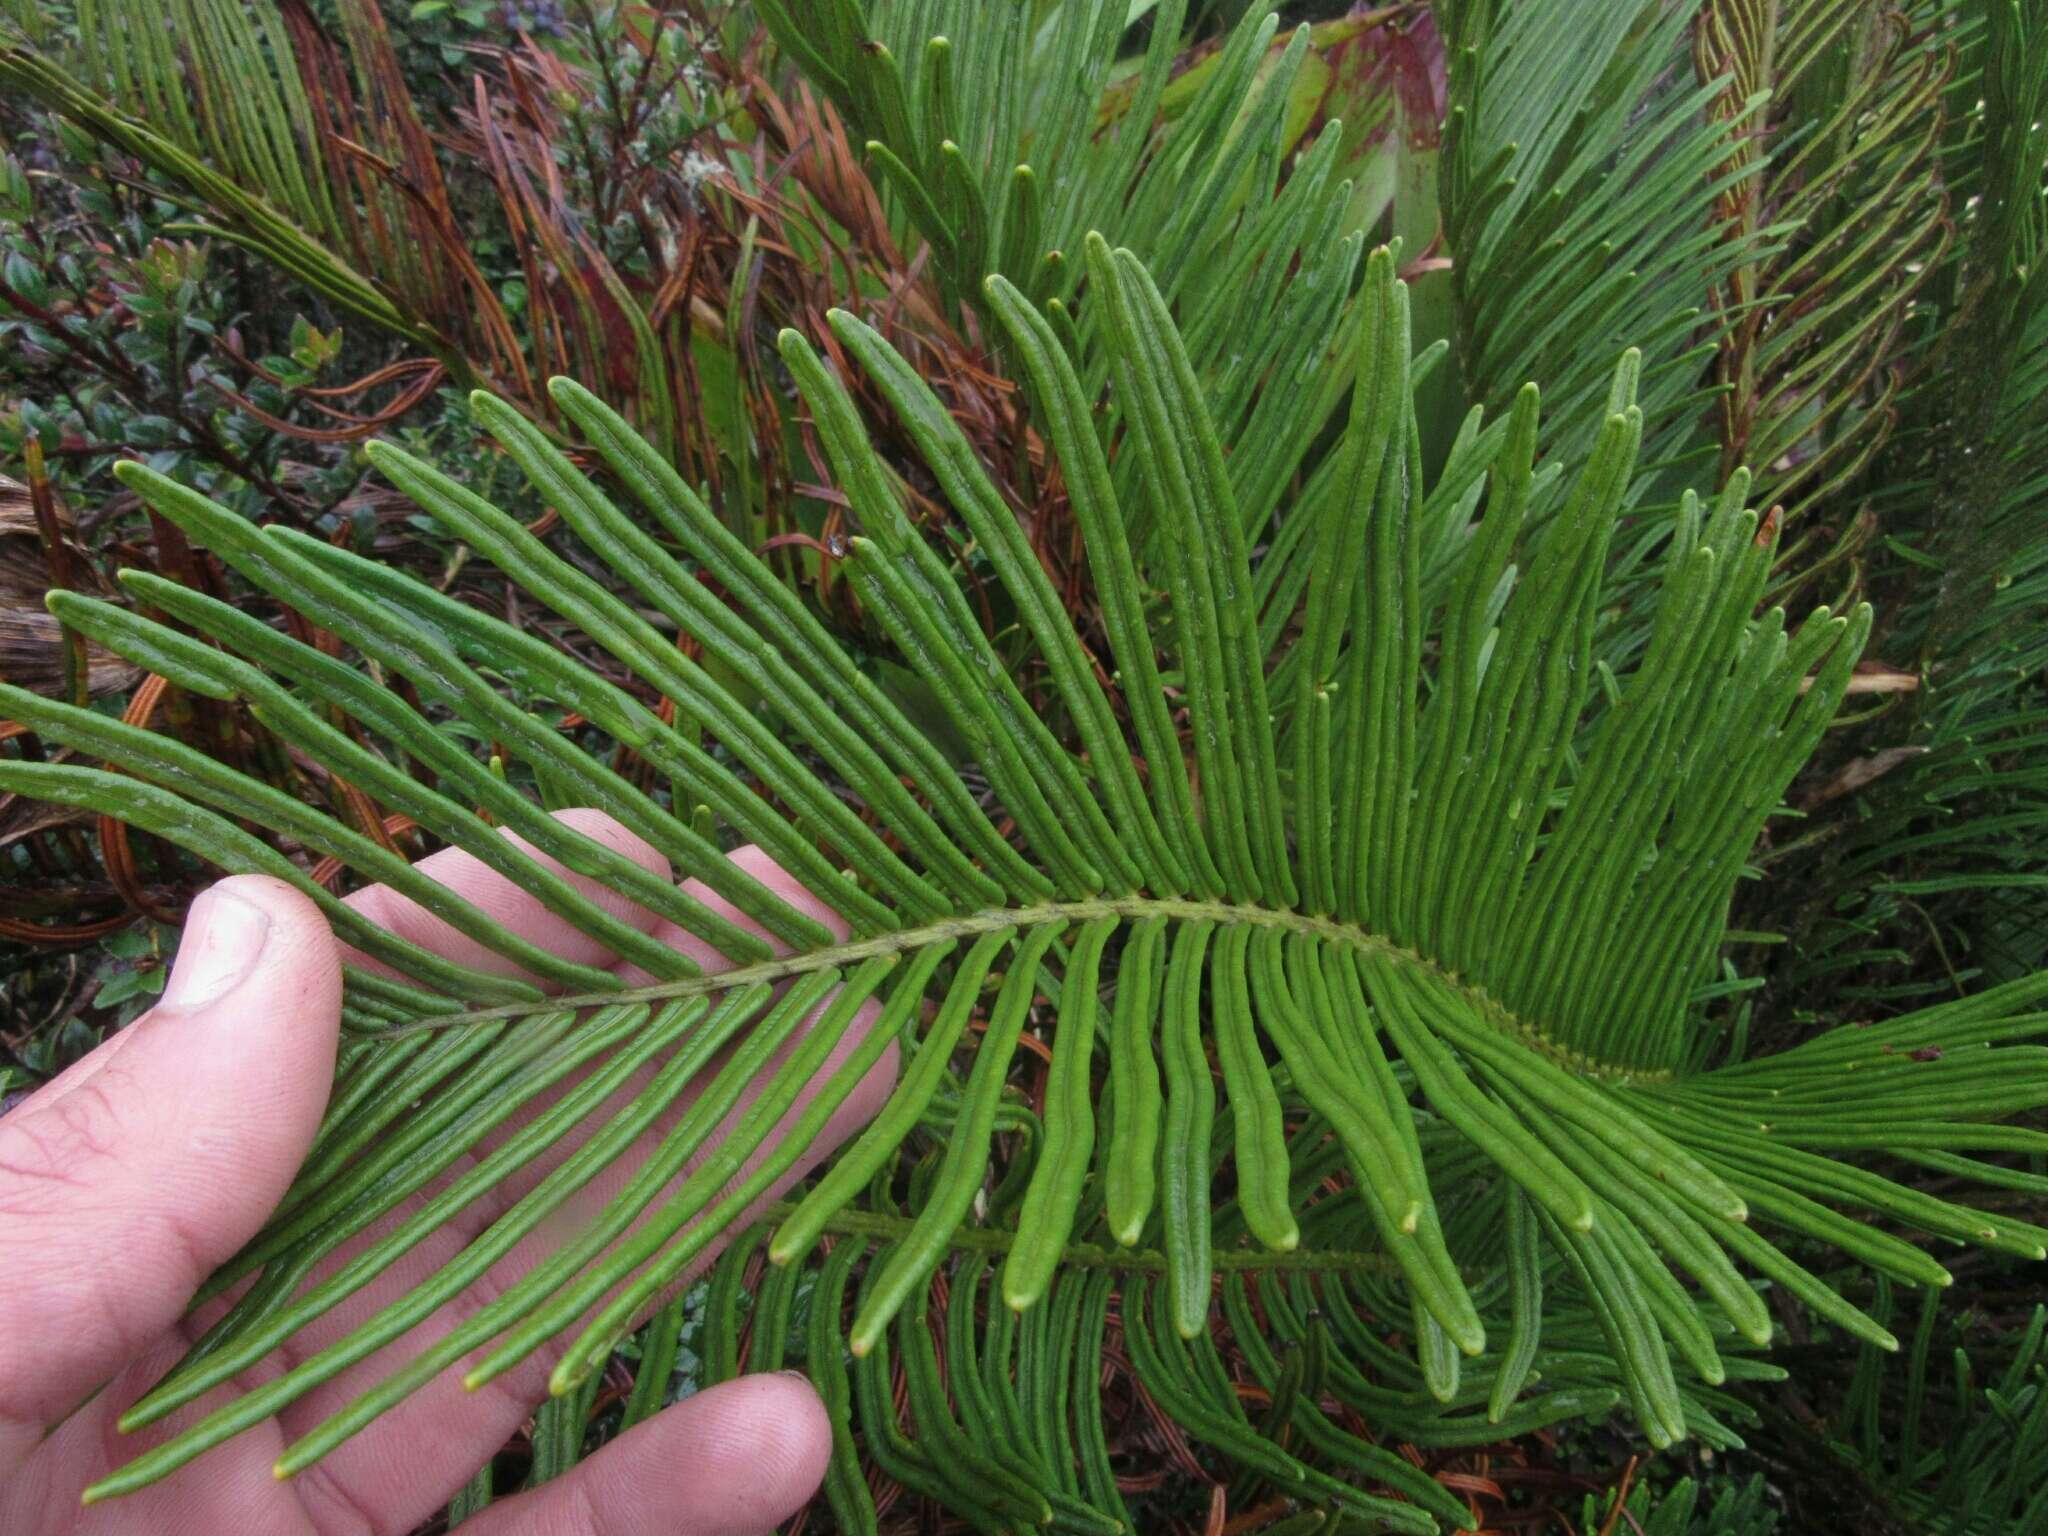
(1376, 965)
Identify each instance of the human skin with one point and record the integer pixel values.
(126, 1180)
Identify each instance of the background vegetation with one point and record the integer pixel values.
(240, 241)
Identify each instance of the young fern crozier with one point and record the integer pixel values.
(1376, 958)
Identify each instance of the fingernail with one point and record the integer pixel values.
(224, 935)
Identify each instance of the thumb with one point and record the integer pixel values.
(131, 1177)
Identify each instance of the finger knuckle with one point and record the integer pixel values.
(55, 1147)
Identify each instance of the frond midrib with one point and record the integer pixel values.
(995, 1241)
(995, 919)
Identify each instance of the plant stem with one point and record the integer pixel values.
(993, 919)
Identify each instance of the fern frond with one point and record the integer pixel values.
(1936, 824)
(1442, 932)
(1810, 355)
(1004, 142)
(242, 106)
(1581, 174)
(1957, 1446)
(1742, 1509)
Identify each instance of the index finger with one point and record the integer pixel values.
(595, 931)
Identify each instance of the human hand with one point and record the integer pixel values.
(130, 1177)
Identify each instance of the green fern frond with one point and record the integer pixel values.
(1935, 828)
(1581, 175)
(219, 78)
(1004, 138)
(1958, 1447)
(1742, 1509)
(1442, 931)
(1849, 170)
(229, 209)
(990, 130)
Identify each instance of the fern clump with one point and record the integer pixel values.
(1377, 918)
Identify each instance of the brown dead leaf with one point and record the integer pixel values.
(1875, 677)
(1855, 775)
(31, 640)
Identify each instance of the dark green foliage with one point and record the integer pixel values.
(1951, 1441)
(1931, 834)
